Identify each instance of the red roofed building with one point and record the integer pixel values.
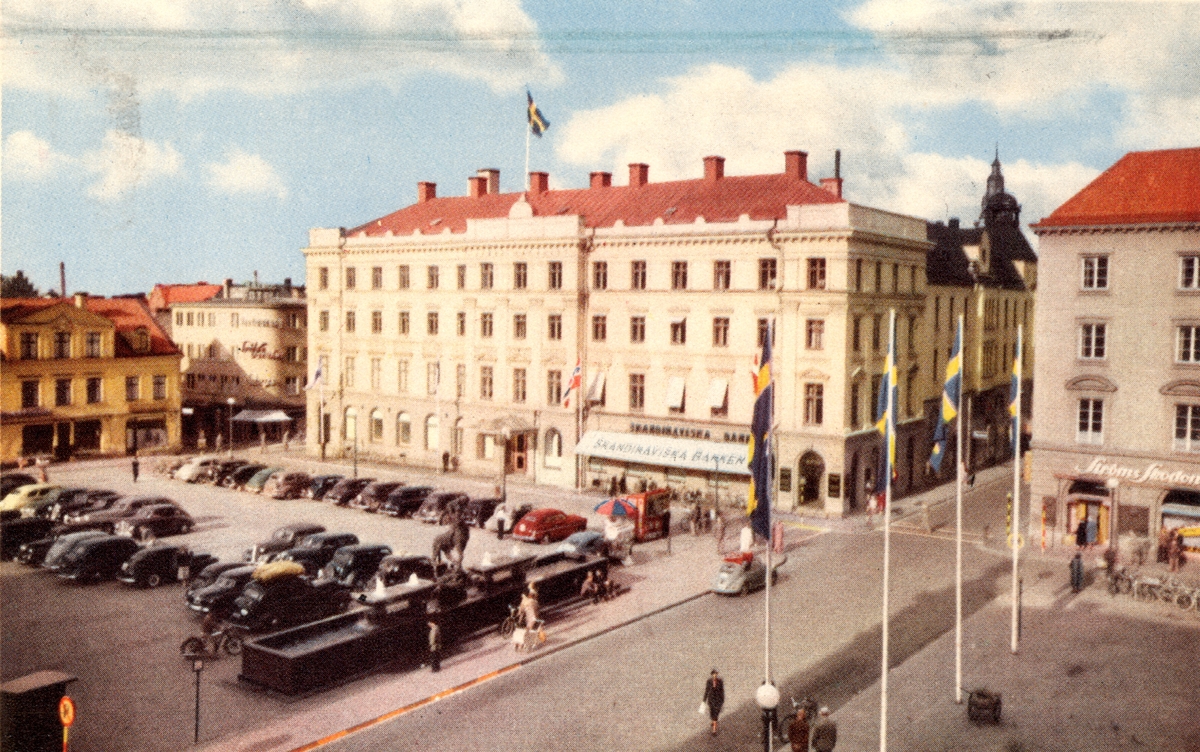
(86, 376)
(1116, 423)
(446, 332)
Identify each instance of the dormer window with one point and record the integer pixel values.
(139, 340)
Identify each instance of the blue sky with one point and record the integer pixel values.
(148, 141)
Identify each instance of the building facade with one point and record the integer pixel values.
(87, 376)
(1117, 419)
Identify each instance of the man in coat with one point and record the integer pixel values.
(714, 696)
(824, 734)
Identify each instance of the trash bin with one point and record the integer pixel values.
(29, 709)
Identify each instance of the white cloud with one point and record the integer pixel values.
(192, 47)
(30, 157)
(244, 173)
(125, 161)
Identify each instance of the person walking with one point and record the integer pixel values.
(1081, 532)
(798, 731)
(1175, 551)
(435, 647)
(824, 734)
(134, 467)
(714, 698)
(1077, 573)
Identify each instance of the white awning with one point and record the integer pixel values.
(596, 390)
(675, 389)
(666, 451)
(718, 389)
(262, 416)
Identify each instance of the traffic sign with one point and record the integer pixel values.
(66, 711)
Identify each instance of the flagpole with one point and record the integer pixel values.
(887, 525)
(1015, 528)
(770, 448)
(528, 130)
(958, 509)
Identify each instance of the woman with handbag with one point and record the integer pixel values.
(714, 698)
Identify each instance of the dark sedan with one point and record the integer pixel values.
(107, 519)
(155, 521)
(321, 485)
(16, 535)
(63, 544)
(315, 551)
(95, 500)
(546, 525)
(439, 507)
(97, 559)
(477, 511)
(209, 574)
(11, 481)
(156, 565)
(396, 569)
(220, 471)
(355, 566)
(238, 477)
(405, 500)
(281, 540)
(346, 489)
(217, 597)
(287, 485)
(373, 495)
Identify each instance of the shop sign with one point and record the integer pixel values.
(667, 451)
(1152, 472)
(259, 351)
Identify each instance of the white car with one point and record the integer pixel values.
(189, 471)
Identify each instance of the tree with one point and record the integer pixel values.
(17, 286)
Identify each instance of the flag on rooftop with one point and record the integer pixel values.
(538, 124)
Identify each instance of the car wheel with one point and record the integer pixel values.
(192, 647)
(233, 644)
(144, 534)
(154, 580)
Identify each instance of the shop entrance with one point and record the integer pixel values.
(1095, 511)
(812, 473)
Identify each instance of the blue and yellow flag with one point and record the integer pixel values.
(537, 122)
(1014, 395)
(950, 396)
(885, 418)
(758, 506)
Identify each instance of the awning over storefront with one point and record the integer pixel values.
(675, 389)
(718, 389)
(664, 450)
(1181, 510)
(596, 390)
(262, 416)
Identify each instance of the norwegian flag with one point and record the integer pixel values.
(574, 383)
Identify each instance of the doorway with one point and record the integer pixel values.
(812, 473)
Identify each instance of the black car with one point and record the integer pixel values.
(439, 507)
(95, 500)
(64, 544)
(97, 559)
(321, 485)
(405, 500)
(219, 471)
(286, 601)
(373, 495)
(346, 489)
(241, 475)
(354, 566)
(107, 519)
(155, 521)
(396, 569)
(17, 534)
(66, 496)
(217, 597)
(210, 573)
(156, 565)
(315, 550)
(477, 511)
(281, 540)
(12, 481)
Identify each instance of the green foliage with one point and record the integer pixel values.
(17, 286)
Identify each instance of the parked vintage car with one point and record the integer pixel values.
(372, 496)
(346, 489)
(257, 481)
(97, 559)
(546, 525)
(155, 521)
(194, 469)
(476, 511)
(355, 566)
(509, 514)
(63, 544)
(107, 519)
(156, 565)
(396, 569)
(584, 544)
(18, 535)
(287, 485)
(405, 500)
(743, 572)
(282, 539)
(238, 477)
(217, 596)
(287, 600)
(314, 551)
(220, 470)
(439, 507)
(95, 500)
(210, 573)
(27, 495)
(62, 495)
(321, 485)
(12, 481)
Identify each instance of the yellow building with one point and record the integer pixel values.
(85, 376)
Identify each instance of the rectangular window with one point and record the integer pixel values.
(433, 378)
(555, 278)
(854, 409)
(768, 273)
(814, 334)
(179, 318)
(376, 322)
(518, 326)
(460, 381)
(323, 278)
(858, 264)
(62, 392)
(1189, 273)
(462, 276)
(856, 334)
(553, 387)
(485, 382)
(878, 276)
(1091, 341)
(160, 387)
(599, 328)
(461, 325)
(132, 389)
(895, 278)
(518, 385)
(816, 275)
(679, 332)
(679, 275)
(348, 372)
(431, 323)
(599, 275)
(1091, 422)
(637, 275)
(377, 278)
(554, 326)
(291, 354)
(29, 345)
(1095, 272)
(402, 377)
(95, 391)
(402, 277)
(637, 392)
(233, 319)
(1188, 348)
(912, 335)
(814, 404)
(191, 318)
(485, 325)
(350, 322)
(29, 394)
(721, 331)
(376, 373)
(722, 275)
(403, 324)
(637, 329)
(431, 277)
(876, 332)
(520, 275)
(62, 344)
(1187, 428)
(351, 277)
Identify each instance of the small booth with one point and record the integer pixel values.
(29, 709)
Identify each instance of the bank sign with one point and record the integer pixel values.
(1152, 473)
(663, 450)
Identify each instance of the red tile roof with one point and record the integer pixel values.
(162, 296)
(1143, 187)
(676, 202)
(127, 315)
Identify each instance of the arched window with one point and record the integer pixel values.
(431, 432)
(403, 429)
(377, 425)
(350, 424)
(553, 448)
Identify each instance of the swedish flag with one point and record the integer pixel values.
(885, 420)
(537, 122)
(758, 506)
(1014, 394)
(950, 396)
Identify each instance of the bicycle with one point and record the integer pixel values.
(1120, 580)
(510, 623)
(211, 645)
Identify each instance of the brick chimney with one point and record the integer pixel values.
(714, 168)
(426, 191)
(639, 174)
(493, 178)
(539, 182)
(795, 164)
(833, 185)
(227, 288)
(600, 179)
(476, 186)
(80, 299)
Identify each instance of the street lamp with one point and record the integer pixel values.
(1112, 484)
(767, 697)
(231, 401)
(504, 466)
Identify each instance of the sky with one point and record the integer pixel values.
(148, 142)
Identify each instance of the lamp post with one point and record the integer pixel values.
(1112, 484)
(231, 401)
(767, 697)
(504, 466)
